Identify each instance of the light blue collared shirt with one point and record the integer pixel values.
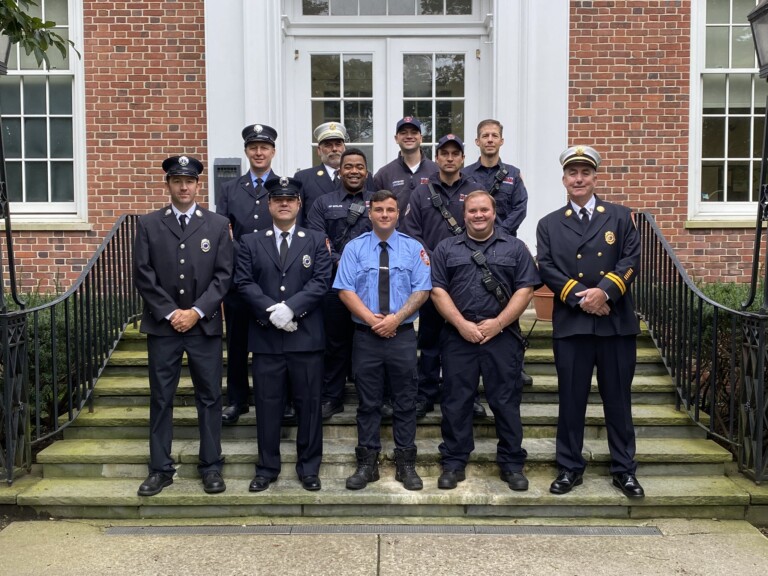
(408, 271)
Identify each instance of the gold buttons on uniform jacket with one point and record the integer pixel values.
(599, 254)
(181, 276)
(181, 291)
(581, 275)
(182, 246)
(282, 288)
(255, 216)
(578, 256)
(181, 261)
(602, 273)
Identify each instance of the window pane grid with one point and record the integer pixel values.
(733, 100)
(386, 7)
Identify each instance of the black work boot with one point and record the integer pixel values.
(367, 469)
(405, 461)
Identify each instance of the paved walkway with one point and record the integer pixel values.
(679, 547)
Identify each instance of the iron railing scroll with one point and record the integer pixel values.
(715, 355)
(70, 340)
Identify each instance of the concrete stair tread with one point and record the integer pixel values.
(532, 414)
(341, 451)
(137, 385)
(474, 491)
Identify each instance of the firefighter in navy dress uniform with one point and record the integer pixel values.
(283, 273)
(182, 269)
(244, 201)
(482, 281)
(589, 255)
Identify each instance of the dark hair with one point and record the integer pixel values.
(382, 195)
(353, 152)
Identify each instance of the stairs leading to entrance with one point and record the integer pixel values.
(95, 471)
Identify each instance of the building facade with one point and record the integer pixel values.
(667, 90)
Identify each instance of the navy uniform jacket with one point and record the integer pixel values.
(606, 256)
(425, 222)
(397, 177)
(329, 215)
(454, 271)
(247, 210)
(511, 198)
(174, 269)
(261, 281)
(314, 183)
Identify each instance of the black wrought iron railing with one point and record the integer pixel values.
(61, 347)
(715, 355)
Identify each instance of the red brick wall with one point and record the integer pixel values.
(629, 97)
(144, 100)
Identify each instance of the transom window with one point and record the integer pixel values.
(386, 7)
(733, 106)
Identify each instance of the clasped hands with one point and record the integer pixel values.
(282, 317)
(594, 301)
(480, 332)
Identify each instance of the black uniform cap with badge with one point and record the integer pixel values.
(283, 187)
(182, 166)
(581, 155)
(259, 133)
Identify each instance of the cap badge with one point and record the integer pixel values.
(408, 119)
(306, 261)
(283, 182)
(183, 161)
(332, 126)
(258, 128)
(451, 137)
(300, 234)
(610, 237)
(579, 151)
(205, 245)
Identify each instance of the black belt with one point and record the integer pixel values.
(366, 328)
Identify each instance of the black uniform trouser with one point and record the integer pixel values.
(380, 363)
(301, 374)
(237, 316)
(339, 332)
(164, 355)
(499, 361)
(615, 358)
(430, 327)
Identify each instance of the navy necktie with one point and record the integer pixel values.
(183, 221)
(383, 279)
(584, 217)
(283, 247)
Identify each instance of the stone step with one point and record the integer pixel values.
(128, 458)
(133, 390)
(477, 496)
(539, 421)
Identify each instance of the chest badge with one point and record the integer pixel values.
(205, 245)
(306, 261)
(610, 237)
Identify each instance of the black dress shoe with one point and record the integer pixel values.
(329, 409)
(516, 481)
(478, 410)
(311, 483)
(260, 483)
(628, 484)
(155, 483)
(231, 414)
(386, 409)
(213, 483)
(565, 481)
(423, 407)
(449, 479)
(527, 380)
(289, 414)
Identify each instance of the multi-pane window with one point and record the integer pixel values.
(433, 91)
(386, 7)
(37, 121)
(342, 91)
(733, 106)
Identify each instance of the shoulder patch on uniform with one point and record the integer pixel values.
(424, 256)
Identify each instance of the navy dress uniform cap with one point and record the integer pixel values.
(450, 138)
(182, 166)
(283, 187)
(581, 154)
(331, 131)
(259, 133)
(408, 121)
